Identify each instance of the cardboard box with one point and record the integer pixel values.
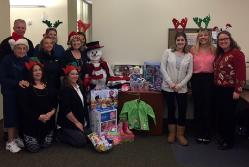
(103, 110)
(104, 99)
(103, 121)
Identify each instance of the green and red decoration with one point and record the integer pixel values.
(33, 61)
(70, 68)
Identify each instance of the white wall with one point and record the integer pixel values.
(136, 30)
(55, 10)
(5, 32)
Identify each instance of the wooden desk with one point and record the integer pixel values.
(155, 99)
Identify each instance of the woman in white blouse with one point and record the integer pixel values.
(176, 69)
(73, 114)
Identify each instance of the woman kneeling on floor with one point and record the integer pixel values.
(73, 115)
(38, 105)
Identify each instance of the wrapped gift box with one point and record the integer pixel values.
(152, 74)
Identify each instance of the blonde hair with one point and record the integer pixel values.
(197, 47)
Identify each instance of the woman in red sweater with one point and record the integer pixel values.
(229, 78)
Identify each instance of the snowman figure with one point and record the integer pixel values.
(99, 70)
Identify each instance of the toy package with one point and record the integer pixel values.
(104, 99)
(153, 75)
(114, 136)
(103, 121)
(100, 144)
(137, 82)
(125, 70)
(103, 110)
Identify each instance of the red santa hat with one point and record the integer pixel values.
(73, 35)
(22, 41)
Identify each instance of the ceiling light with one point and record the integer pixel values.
(28, 3)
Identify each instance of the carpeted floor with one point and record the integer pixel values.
(146, 151)
(199, 155)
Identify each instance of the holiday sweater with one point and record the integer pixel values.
(230, 70)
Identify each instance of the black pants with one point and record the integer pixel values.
(202, 91)
(72, 137)
(181, 99)
(225, 108)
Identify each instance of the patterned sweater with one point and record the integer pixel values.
(230, 70)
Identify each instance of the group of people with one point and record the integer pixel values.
(217, 76)
(34, 81)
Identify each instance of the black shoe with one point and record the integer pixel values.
(224, 146)
(199, 140)
(206, 140)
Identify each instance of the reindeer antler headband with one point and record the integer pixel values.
(205, 20)
(52, 25)
(183, 23)
(83, 27)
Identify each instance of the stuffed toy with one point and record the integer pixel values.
(99, 70)
(100, 73)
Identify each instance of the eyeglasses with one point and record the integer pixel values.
(223, 39)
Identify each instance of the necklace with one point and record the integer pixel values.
(40, 90)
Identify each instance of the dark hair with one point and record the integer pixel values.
(51, 29)
(66, 83)
(181, 34)
(233, 44)
(30, 75)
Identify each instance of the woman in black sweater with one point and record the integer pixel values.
(38, 105)
(75, 56)
(73, 115)
(51, 64)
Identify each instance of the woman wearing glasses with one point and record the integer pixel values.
(229, 78)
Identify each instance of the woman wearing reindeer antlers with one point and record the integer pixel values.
(202, 81)
(51, 32)
(229, 78)
(176, 69)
